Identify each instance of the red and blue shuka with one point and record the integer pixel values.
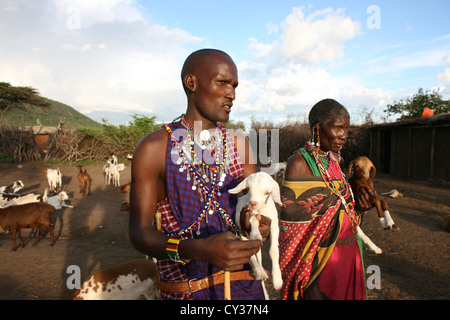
(199, 173)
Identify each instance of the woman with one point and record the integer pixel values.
(320, 254)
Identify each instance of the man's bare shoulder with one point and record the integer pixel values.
(152, 146)
(153, 140)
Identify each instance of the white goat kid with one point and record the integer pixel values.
(54, 178)
(58, 201)
(263, 193)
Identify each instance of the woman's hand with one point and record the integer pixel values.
(264, 223)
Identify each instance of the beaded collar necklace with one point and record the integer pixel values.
(206, 177)
(349, 208)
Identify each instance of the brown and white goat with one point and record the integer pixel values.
(363, 169)
(13, 188)
(127, 281)
(54, 178)
(29, 215)
(84, 180)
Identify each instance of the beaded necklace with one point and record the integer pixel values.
(349, 208)
(202, 175)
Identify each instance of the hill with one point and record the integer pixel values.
(27, 115)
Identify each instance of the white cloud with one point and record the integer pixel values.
(310, 39)
(290, 77)
(89, 13)
(445, 76)
(114, 61)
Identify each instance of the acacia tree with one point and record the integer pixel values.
(414, 106)
(11, 96)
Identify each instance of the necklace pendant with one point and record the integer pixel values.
(205, 135)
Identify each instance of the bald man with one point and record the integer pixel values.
(184, 170)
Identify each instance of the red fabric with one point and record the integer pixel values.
(343, 275)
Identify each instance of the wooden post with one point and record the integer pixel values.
(227, 285)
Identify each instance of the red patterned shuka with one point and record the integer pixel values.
(318, 244)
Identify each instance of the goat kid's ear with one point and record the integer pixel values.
(350, 167)
(276, 196)
(241, 186)
(373, 171)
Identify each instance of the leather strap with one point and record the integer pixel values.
(204, 283)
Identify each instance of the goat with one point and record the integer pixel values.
(127, 281)
(18, 200)
(363, 169)
(29, 215)
(58, 201)
(263, 193)
(84, 180)
(111, 171)
(114, 173)
(125, 188)
(54, 178)
(13, 188)
(125, 206)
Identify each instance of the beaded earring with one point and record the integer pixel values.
(316, 136)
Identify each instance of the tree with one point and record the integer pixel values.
(414, 106)
(11, 96)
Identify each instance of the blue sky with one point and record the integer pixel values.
(112, 59)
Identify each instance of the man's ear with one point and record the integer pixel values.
(190, 82)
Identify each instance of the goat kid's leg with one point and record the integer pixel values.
(380, 211)
(258, 271)
(390, 224)
(274, 256)
(366, 240)
(255, 260)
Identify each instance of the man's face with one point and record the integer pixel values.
(334, 135)
(217, 80)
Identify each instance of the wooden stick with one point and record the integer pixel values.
(227, 285)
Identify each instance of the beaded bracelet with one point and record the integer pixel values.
(172, 250)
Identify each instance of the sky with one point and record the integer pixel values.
(117, 58)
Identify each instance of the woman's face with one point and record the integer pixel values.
(334, 135)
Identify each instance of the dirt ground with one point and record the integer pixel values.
(94, 235)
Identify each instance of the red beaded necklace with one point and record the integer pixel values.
(315, 151)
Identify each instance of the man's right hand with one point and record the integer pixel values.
(226, 251)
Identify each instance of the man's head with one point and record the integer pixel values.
(210, 79)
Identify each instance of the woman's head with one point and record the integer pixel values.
(329, 121)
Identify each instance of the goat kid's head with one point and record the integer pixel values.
(363, 168)
(260, 187)
(63, 196)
